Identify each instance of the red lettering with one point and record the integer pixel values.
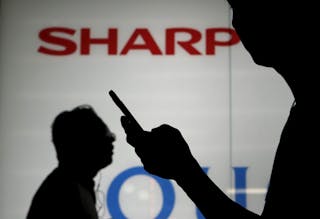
(111, 41)
(186, 45)
(48, 35)
(57, 41)
(212, 42)
(149, 43)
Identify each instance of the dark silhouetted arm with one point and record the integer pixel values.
(165, 153)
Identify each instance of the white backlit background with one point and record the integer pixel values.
(229, 110)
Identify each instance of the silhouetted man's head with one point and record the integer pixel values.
(272, 31)
(279, 34)
(82, 140)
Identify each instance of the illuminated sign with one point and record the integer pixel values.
(60, 37)
(167, 191)
(176, 62)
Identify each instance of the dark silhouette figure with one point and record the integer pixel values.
(275, 33)
(84, 146)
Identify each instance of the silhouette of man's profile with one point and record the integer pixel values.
(269, 30)
(84, 145)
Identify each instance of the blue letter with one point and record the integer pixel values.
(241, 184)
(113, 203)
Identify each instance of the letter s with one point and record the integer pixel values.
(49, 35)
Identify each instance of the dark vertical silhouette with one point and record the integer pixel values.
(277, 34)
(83, 146)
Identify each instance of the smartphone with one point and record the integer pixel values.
(124, 109)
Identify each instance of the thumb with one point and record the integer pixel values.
(125, 124)
(134, 136)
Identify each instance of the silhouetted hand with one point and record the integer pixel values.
(163, 151)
